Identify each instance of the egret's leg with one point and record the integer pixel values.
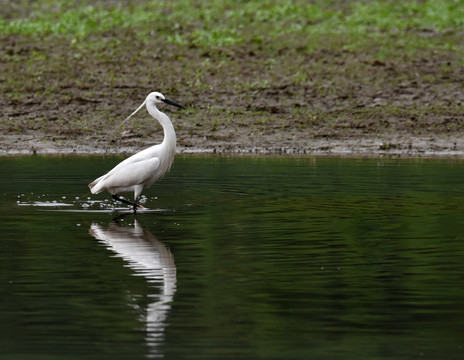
(134, 204)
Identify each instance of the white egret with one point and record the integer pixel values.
(141, 170)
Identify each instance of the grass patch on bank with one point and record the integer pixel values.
(328, 68)
(219, 23)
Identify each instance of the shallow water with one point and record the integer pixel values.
(243, 258)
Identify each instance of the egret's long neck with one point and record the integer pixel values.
(169, 140)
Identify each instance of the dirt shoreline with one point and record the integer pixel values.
(261, 98)
(445, 147)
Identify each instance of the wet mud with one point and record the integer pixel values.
(244, 99)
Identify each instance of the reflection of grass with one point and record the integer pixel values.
(229, 22)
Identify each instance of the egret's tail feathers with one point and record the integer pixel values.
(92, 187)
(96, 186)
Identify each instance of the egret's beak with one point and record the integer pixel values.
(170, 102)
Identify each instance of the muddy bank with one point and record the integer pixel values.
(403, 147)
(347, 103)
(267, 97)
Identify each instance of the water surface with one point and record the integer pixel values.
(243, 258)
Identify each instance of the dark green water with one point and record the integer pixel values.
(237, 258)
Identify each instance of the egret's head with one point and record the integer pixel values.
(154, 98)
(157, 98)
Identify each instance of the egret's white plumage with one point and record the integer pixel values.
(141, 170)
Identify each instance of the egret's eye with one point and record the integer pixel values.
(157, 97)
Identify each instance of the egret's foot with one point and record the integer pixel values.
(134, 205)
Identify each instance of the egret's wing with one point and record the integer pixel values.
(121, 170)
(147, 154)
(133, 174)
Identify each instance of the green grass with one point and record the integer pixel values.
(230, 22)
(268, 65)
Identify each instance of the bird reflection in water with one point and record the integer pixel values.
(150, 258)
